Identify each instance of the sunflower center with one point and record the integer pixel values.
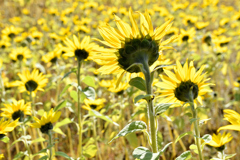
(20, 57)
(31, 85)
(54, 60)
(238, 81)
(3, 46)
(185, 38)
(81, 54)
(45, 128)
(221, 148)
(2, 135)
(223, 44)
(11, 35)
(135, 51)
(120, 92)
(186, 91)
(18, 114)
(207, 40)
(93, 106)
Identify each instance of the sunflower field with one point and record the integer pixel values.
(119, 80)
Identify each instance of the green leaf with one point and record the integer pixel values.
(64, 89)
(89, 93)
(60, 105)
(161, 108)
(19, 155)
(230, 156)
(89, 80)
(182, 135)
(146, 97)
(207, 138)
(161, 66)
(38, 140)
(43, 158)
(90, 151)
(139, 83)
(45, 149)
(62, 123)
(74, 95)
(62, 154)
(194, 148)
(99, 115)
(73, 70)
(193, 120)
(5, 139)
(135, 126)
(143, 153)
(184, 156)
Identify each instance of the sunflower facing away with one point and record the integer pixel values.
(20, 54)
(31, 82)
(129, 45)
(219, 140)
(7, 126)
(16, 110)
(46, 122)
(184, 85)
(82, 50)
(234, 118)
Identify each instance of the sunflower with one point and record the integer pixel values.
(51, 57)
(16, 110)
(185, 85)
(11, 31)
(83, 50)
(4, 44)
(234, 118)
(20, 54)
(96, 104)
(130, 46)
(46, 122)
(219, 140)
(186, 35)
(189, 20)
(201, 25)
(118, 89)
(7, 126)
(31, 82)
(1, 156)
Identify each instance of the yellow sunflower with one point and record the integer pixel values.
(7, 126)
(4, 44)
(31, 82)
(1, 156)
(16, 110)
(234, 118)
(219, 140)
(20, 54)
(51, 57)
(11, 31)
(186, 35)
(82, 50)
(185, 85)
(96, 104)
(46, 122)
(130, 45)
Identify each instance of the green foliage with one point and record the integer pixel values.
(161, 108)
(183, 135)
(89, 80)
(135, 126)
(184, 156)
(139, 83)
(5, 139)
(89, 93)
(99, 115)
(146, 97)
(60, 105)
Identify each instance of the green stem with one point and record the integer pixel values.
(79, 111)
(95, 137)
(196, 129)
(50, 143)
(151, 112)
(25, 142)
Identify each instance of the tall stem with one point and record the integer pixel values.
(79, 111)
(95, 137)
(50, 143)
(151, 114)
(196, 129)
(25, 142)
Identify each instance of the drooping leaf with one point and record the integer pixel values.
(89, 80)
(20, 155)
(183, 135)
(184, 156)
(60, 105)
(62, 154)
(65, 89)
(135, 126)
(161, 108)
(99, 115)
(207, 138)
(73, 70)
(146, 97)
(90, 93)
(139, 83)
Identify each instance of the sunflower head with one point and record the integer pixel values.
(96, 104)
(16, 110)
(131, 45)
(31, 82)
(45, 124)
(219, 140)
(185, 85)
(20, 54)
(7, 126)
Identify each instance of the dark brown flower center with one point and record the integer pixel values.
(31, 85)
(45, 128)
(81, 54)
(18, 114)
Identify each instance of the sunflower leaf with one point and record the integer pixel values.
(207, 138)
(184, 156)
(99, 115)
(60, 105)
(146, 97)
(135, 126)
(89, 80)
(139, 83)
(182, 135)
(5, 139)
(162, 107)
(89, 93)
(161, 66)
(62, 154)
(73, 70)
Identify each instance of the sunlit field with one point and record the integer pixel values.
(119, 80)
